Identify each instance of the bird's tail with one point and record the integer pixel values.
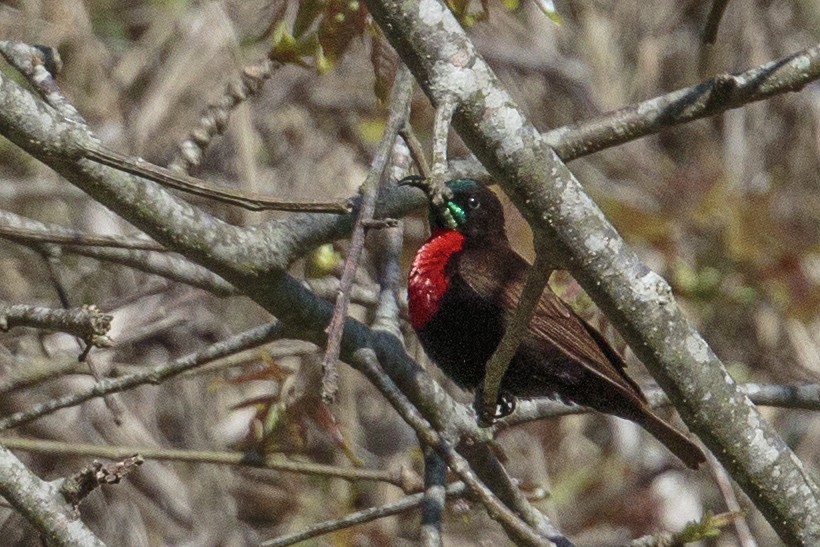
(677, 443)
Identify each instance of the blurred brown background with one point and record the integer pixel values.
(727, 209)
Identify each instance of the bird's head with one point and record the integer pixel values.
(473, 209)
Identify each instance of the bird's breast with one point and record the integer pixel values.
(428, 280)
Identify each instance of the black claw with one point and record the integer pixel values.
(488, 415)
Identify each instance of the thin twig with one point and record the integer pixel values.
(154, 375)
(805, 397)
(388, 252)
(165, 264)
(439, 193)
(29, 371)
(496, 367)
(744, 533)
(366, 515)
(399, 110)
(111, 402)
(239, 459)
(369, 364)
(79, 239)
(713, 21)
(215, 119)
(416, 149)
(198, 187)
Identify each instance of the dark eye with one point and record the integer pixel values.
(472, 202)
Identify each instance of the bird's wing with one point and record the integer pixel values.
(500, 275)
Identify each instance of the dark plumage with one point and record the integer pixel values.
(464, 286)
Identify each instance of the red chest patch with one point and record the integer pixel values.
(428, 281)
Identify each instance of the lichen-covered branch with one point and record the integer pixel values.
(87, 323)
(253, 259)
(638, 301)
(42, 505)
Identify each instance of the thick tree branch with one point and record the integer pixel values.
(41, 503)
(253, 259)
(638, 301)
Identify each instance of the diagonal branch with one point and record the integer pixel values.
(715, 96)
(197, 187)
(399, 111)
(41, 504)
(537, 278)
(358, 517)
(246, 340)
(522, 532)
(636, 300)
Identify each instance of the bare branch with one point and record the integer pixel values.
(636, 300)
(197, 187)
(162, 263)
(215, 120)
(715, 96)
(524, 534)
(388, 250)
(248, 339)
(724, 484)
(87, 323)
(78, 486)
(805, 397)
(496, 367)
(42, 505)
(79, 239)
(34, 62)
(240, 459)
(399, 110)
(359, 517)
(435, 473)
(713, 21)
(416, 149)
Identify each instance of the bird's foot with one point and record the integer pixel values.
(489, 414)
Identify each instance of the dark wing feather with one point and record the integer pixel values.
(499, 275)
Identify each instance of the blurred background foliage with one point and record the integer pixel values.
(727, 209)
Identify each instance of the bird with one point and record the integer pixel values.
(463, 287)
